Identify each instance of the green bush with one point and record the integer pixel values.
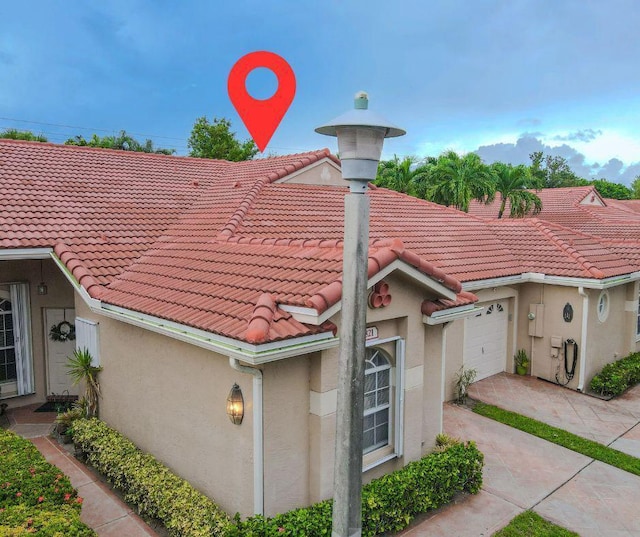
(148, 484)
(63, 521)
(616, 377)
(34, 493)
(388, 503)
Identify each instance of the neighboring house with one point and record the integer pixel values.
(184, 276)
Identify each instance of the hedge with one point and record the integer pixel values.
(389, 503)
(35, 496)
(148, 484)
(616, 377)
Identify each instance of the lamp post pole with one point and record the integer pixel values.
(360, 135)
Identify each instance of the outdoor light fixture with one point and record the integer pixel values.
(360, 134)
(235, 405)
(42, 287)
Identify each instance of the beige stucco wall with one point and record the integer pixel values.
(59, 295)
(614, 338)
(169, 398)
(326, 172)
(422, 398)
(286, 434)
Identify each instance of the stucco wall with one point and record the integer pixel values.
(59, 295)
(612, 339)
(286, 434)
(169, 398)
(324, 173)
(422, 398)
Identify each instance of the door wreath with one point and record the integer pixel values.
(63, 331)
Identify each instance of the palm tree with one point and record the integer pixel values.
(511, 183)
(401, 175)
(456, 180)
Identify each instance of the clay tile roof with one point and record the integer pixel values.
(220, 246)
(464, 298)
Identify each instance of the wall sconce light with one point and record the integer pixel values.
(235, 405)
(42, 287)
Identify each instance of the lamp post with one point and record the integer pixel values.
(360, 134)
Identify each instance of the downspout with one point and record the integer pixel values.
(258, 436)
(443, 371)
(583, 337)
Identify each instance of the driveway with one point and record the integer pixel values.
(524, 472)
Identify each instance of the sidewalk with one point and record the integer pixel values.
(525, 472)
(102, 509)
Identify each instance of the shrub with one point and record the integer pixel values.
(388, 503)
(616, 377)
(148, 484)
(34, 493)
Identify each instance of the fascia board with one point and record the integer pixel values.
(252, 354)
(450, 314)
(537, 277)
(17, 254)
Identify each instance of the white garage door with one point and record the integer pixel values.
(485, 340)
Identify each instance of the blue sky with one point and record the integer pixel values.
(501, 77)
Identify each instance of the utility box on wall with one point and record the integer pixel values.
(536, 320)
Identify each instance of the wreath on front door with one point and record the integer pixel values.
(63, 331)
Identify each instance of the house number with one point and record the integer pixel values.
(567, 313)
(372, 333)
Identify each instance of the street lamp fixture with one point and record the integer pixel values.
(360, 134)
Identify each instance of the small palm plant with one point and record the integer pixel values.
(81, 369)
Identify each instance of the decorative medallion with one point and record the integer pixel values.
(567, 313)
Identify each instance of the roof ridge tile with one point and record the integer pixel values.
(261, 319)
(545, 228)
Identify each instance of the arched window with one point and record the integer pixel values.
(7, 341)
(377, 397)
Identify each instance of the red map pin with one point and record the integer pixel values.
(261, 116)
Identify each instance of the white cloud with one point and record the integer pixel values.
(609, 144)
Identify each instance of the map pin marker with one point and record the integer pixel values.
(261, 116)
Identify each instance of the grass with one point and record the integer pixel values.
(563, 438)
(530, 523)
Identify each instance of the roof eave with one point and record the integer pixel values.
(247, 352)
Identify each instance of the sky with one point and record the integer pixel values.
(499, 77)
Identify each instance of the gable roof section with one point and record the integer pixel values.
(552, 249)
(234, 288)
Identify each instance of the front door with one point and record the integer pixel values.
(58, 382)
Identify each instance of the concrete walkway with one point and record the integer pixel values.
(524, 472)
(102, 509)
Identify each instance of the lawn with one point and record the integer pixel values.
(529, 523)
(563, 438)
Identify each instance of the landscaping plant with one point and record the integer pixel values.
(81, 369)
(35, 497)
(618, 376)
(388, 503)
(464, 378)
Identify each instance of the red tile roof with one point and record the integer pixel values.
(219, 246)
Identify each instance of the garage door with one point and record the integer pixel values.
(485, 341)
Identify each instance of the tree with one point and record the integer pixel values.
(215, 140)
(635, 188)
(552, 172)
(511, 182)
(456, 180)
(402, 175)
(15, 134)
(122, 142)
(610, 190)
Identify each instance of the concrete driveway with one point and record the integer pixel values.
(524, 472)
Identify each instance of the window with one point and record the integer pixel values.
(638, 328)
(377, 397)
(7, 342)
(603, 306)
